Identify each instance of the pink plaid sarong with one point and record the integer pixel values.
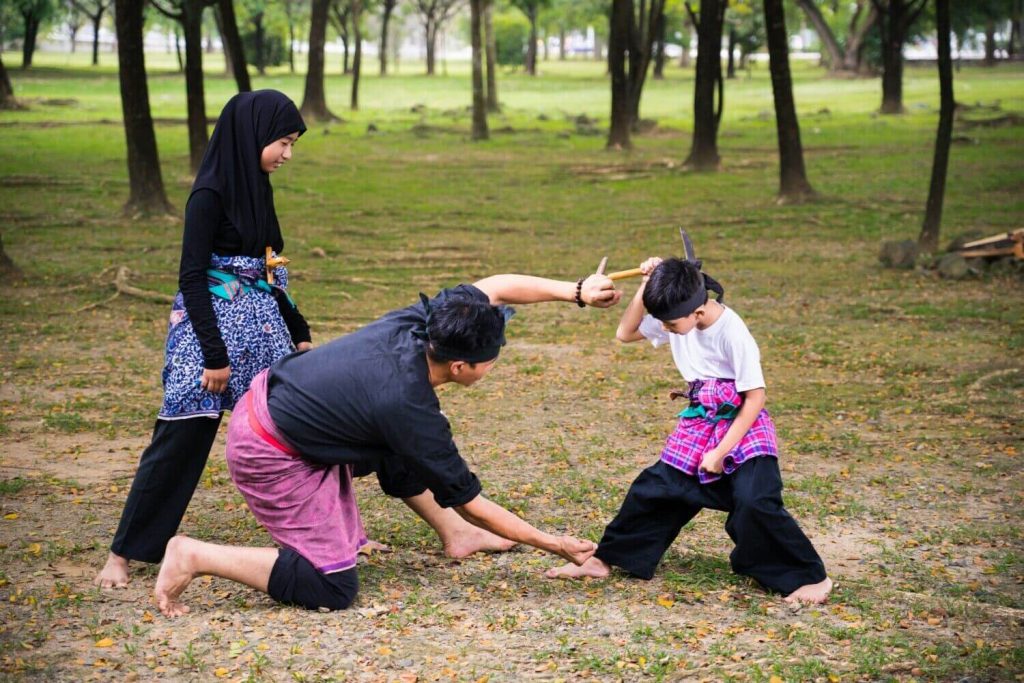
(703, 425)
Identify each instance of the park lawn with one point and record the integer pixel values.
(896, 393)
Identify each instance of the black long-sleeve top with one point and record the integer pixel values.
(209, 231)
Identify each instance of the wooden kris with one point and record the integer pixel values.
(274, 262)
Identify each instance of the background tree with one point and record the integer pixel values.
(146, 185)
(33, 15)
(434, 14)
(704, 148)
(928, 241)
(314, 100)
(531, 9)
(476, 10)
(631, 37)
(841, 52)
(745, 21)
(357, 59)
(340, 17)
(491, 50)
(73, 19)
(233, 48)
(7, 99)
(189, 13)
(387, 8)
(94, 9)
(793, 184)
(895, 17)
(294, 12)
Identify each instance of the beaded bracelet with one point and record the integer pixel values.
(579, 293)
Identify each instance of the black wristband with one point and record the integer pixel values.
(579, 293)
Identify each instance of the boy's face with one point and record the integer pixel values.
(683, 325)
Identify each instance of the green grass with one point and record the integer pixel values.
(894, 392)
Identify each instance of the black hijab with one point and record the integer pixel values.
(231, 166)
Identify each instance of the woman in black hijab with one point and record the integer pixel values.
(231, 318)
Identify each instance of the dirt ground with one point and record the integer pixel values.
(906, 478)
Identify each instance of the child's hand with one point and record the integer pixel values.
(215, 381)
(648, 266)
(304, 346)
(575, 550)
(712, 462)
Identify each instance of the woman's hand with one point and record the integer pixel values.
(575, 550)
(215, 381)
(304, 346)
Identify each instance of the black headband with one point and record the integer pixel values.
(696, 300)
(482, 354)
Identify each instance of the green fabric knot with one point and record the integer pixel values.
(230, 286)
(727, 412)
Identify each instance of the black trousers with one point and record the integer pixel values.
(770, 546)
(168, 473)
(294, 581)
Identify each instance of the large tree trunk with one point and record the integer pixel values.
(357, 60)
(895, 19)
(858, 33)
(531, 48)
(314, 101)
(479, 98)
(233, 44)
(7, 99)
(198, 135)
(659, 48)
(704, 150)
(492, 58)
(96, 20)
(833, 53)
(389, 7)
(431, 39)
(28, 45)
(619, 28)
(793, 183)
(145, 181)
(928, 241)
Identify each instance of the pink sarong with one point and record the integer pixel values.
(306, 506)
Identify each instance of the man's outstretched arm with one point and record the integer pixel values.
(597, 290)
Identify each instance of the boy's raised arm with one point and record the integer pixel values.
(597, 290)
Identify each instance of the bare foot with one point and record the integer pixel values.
(114, 573)
(593, 567)
(373, 547)
(175, 575)
(812, 593)
(472, 539)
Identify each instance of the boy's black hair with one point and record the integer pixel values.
(466, 329)
(676, 288)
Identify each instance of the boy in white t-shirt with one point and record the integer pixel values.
(723, 453)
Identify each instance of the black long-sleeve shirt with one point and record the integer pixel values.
(209, 231)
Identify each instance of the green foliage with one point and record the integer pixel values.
(511, 35)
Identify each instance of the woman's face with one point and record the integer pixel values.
(277, 153)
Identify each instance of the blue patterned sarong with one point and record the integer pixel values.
(253, 331)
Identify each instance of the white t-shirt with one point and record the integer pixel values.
(725, 350)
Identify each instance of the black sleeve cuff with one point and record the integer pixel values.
(463, 495)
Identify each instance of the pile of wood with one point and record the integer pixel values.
(1003, 244)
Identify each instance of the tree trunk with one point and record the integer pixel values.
(619, 27)
(531, 49)
(357, 59)
(684, 56)
(598, 49)
(730, 71)
(793, 184)
(291, 46)
(659, 48)
(561, 44)
(96, 36)
(928, 241)
(854, 51)
(8, 269)
(431, 41)
(704, 150)
(895, 20)
(233, 44)
(389, 7)
(7, 99)
(177, 50)
(480, 132)
(28, 45)
(832, 52)
(314, 101)
(990, 43)
(198, 136)
(492, 58)
(145, 181)
(259, 44)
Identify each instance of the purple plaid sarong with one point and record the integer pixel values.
(702, 426)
